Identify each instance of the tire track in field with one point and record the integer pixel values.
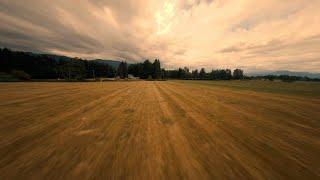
(291, 127)
(68, 100)
(26, 140)
(113, 127)
(190, 167)
(88, 139)
(287, 142)
(77, 150)
(253, 94)
(205, 140)
(110, 125)
(252, 98)
(82, 108)
(156, 130)
(226, 128)
(145, 123)
(36, 97)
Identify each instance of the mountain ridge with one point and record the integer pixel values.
(286, 72)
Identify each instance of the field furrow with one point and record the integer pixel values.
(156, 130)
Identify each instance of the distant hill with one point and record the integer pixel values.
(50, 66)
(112, 63)
(284, 72)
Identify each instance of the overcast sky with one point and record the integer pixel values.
(249, 34)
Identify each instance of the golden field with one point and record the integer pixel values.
(160, 130)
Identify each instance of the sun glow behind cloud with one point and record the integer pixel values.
(254, 35)
(164, 17)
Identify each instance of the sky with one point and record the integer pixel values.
(254, 35)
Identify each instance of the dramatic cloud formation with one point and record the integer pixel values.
(250, 34)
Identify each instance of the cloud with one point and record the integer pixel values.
(265, 34)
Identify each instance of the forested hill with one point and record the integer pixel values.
(113, 63)
(284, 72)
(27, 65)
(48, 66)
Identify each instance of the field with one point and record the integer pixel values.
(160, 130)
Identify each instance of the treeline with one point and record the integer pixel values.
(45, 66)
(284, 78)
(147, 70)
(218, 74)
(26, 65)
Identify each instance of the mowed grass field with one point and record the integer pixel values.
(160, 130)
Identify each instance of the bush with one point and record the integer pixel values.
(20, 75)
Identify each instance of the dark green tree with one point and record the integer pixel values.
(238, 74)
(156, 69)
(122, 71)
(195, 74)
(147, 69)
(202, 73)
(228, 75)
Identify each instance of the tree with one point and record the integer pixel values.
(136, 69)
(122, 71)
(214, 75)
(163, 73)
(238, 74)
(147, 69)
(156, 69)
(228, 75)
(195, 74)
(187, 73)
(202, 73)
(271, 77)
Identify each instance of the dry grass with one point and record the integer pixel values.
(156, 130)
